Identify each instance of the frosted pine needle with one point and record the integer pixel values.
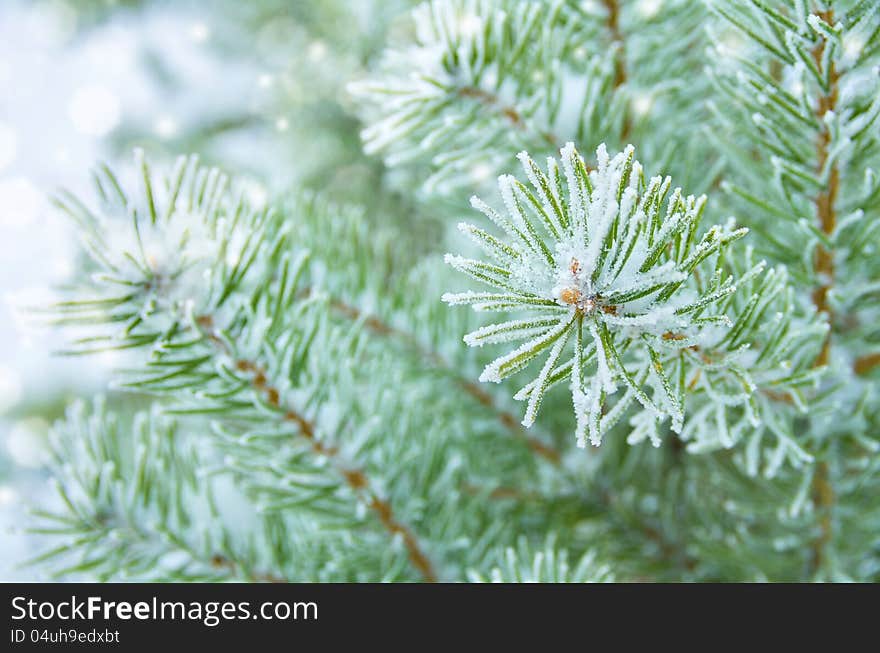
(615, 280)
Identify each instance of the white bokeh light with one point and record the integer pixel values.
(10, 388)
(8, 495)
(20, 202)
(5, 71)
(200, 32)
(317, 50)
(27, 442)
(94, 110)
(642, 103)
(729, 44)
(480, 172)
(649, 8)
(853, 44)
(166, 127)
(257, 194)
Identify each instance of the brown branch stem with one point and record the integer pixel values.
(510, 422)
(355, 478)
(222, 562)
(493, 102)
(670, 551)
(865, 364)
(823, 498)
(513, 116)
(620, 74)
(822, 489)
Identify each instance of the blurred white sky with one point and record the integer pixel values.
(62, 95)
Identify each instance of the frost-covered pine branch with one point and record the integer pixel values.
(297, 404)
(619, 280)
(478, 79)
(756, 378)
(799, 122)
(491, 76)
(548, 565)
(237, 327)
(133, 500)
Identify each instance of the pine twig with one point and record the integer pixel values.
(493, 102)
(620, 73)
(865, 364)
(377, 326)
(822, 489)
(355, 478)
(222, 562)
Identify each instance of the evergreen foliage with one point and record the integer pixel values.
(307, 410)
(622, 280)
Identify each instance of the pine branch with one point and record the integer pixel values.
(490, 76)
(671, 552)
(494, 103)
(320, 394)
(809, 96)
(865, 364)
(355, 478)
(620, 74)
(613, 9)
(219, 561)
(827, 197)
(823, 490)
(129, 504)
(598, 265)
(824, 499)
(232, 345)
(753, 380)
(540, 448)
(549, 565)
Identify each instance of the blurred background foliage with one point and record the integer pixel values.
(257, 87)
